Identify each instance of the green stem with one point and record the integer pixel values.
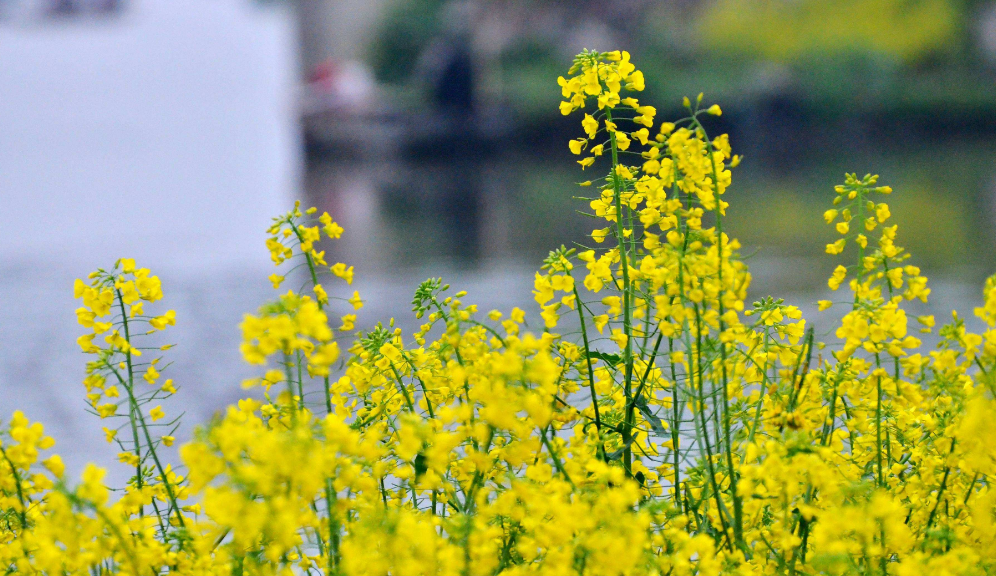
(861, 249)
(940, 490)
(314, 281)
(115, 530)
(705, 426)
(832, 417)
(627, 312)
(675, 426)
(22, 513)
(139, 480)
(878, 427)
(425, 391)
(333, 552)
(591, 373)
(556, 460)
(299, 363)
(971, 486)
(290, 389)
(646, 373)
(403, 389)
(737, 504)
(133, 402)
(760, 401)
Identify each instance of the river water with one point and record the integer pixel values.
(174, 141)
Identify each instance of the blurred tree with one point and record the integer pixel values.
(884, 57)
(408, 27)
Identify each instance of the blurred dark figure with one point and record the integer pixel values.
(62, 7)
(453, 88)
(445, 56)
(76, 7)
(447, 65)
(782, 128)
(447, 69)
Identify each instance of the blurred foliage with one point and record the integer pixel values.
(790, 30)
(408, 27)
(525, 73)
(890, 57)
(946, 201)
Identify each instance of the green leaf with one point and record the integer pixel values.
(610, 359)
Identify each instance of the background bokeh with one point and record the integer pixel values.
(171, 130)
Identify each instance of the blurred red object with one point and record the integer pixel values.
(338, 86)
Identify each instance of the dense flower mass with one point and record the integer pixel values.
(650, 423)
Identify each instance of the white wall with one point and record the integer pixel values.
(168, 134)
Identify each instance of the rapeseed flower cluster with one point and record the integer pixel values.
(648, 422)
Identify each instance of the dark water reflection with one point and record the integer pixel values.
(472, 213)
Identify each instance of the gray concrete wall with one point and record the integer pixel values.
(337, 29)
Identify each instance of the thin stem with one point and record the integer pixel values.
(556, 459)
(878, 431)
(940, 490)
(139, 480)
(737, 504)
(152, 451)
(675, 426)
(22, 513)
(705, 426)
(591, 373)
(627, 312)
(403, 388)
(333, 552)
(314, 281)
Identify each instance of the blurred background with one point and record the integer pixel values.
(172, 130)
